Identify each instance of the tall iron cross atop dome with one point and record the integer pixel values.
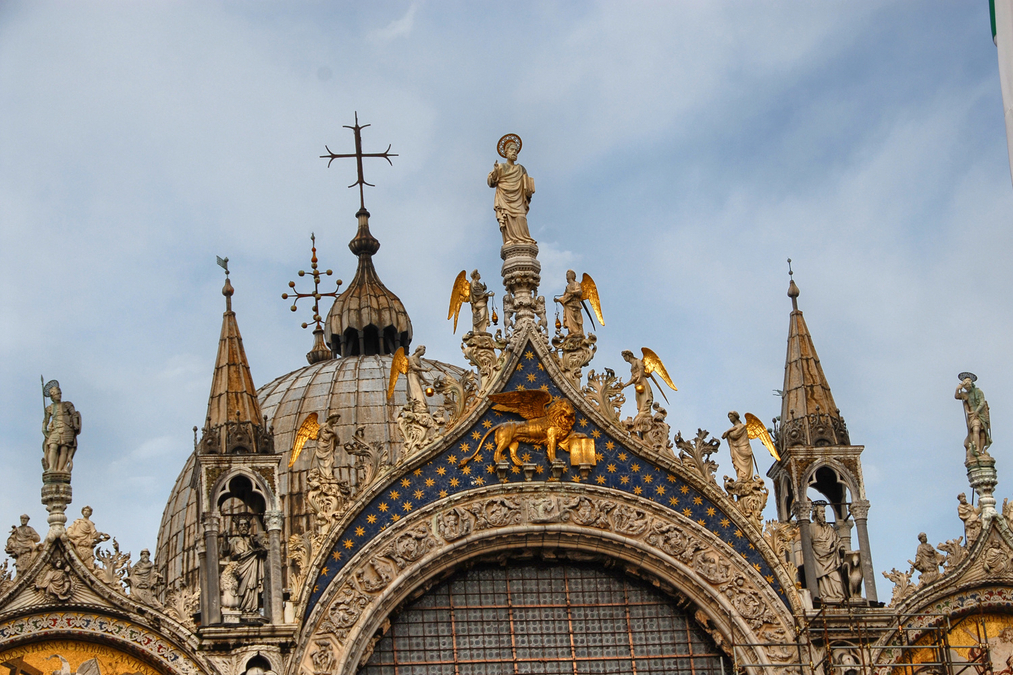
(359, 154)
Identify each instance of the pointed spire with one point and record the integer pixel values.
(234, 421)
(809, 416)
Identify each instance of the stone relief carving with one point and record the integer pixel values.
(371, 460)
(629, 520)
(411, 545)
(544, 510)
(454, 523)
(495, 512)
(55, 581)
(605, 392)
(376, 574)
(298, 553)
(322, 658)
(573, 352)
(344, 611)
(695, 455)
(673, 540)
(588, 512)
(22, 545)
(84, 537)
(996, 560)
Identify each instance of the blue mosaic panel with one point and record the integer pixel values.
(617, 468)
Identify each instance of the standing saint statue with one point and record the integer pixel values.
(971, 516)
(415, 375)
(248, 551)
(738, 446)
(480, 295)
(60, 426)
(22, 544)
(514, 188)
(142, 578)
(828, 554)
(84, 537)
(327, 442)
(979, 428)
(573, 320)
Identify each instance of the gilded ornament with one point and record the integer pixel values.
(546, 423)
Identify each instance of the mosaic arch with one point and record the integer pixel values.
(557, 520)
(69, 657)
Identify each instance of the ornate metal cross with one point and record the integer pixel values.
(316, 294)
(359, 154)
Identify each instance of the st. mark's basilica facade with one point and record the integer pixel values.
(378, 512)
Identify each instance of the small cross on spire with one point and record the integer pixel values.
(359, 154)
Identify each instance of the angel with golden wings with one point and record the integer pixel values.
(413, 369)
(738, 443)
(475, 293)
(640, 370)
(573, 299)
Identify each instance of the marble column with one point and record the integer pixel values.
(860, 512)
(211, 600)
(274, 603)
(803, 512)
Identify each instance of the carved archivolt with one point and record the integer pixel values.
(675, 550)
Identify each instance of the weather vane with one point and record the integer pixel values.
(224, 264)
(359, 154)
(316, 294)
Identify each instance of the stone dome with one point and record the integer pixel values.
(353, 387)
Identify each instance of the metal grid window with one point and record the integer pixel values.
(536, 619)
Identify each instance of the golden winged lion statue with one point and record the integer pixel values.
(545, 422)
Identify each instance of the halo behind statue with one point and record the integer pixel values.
(965, 375)
(48, 386)
(508, 138)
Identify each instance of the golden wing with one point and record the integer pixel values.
(589, 292)
(307, 430)
(756, 429)
(652, 364)
(529, 404)
(460, 295)
(398, 366)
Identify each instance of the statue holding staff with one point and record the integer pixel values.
(514, 188)
(60, 426)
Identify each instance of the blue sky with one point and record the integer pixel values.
(681, 152)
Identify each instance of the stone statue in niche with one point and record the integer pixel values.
(514, 188)
(247, 550)
(828, 553)
(979, 428)
(22, 544)
(84, 537)
(60, 426)
(971, 516)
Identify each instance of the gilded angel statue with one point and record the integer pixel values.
(474, 292)
(412, 368)
(738, 438)
(574, 298)
(325, 435)
(640, 370)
